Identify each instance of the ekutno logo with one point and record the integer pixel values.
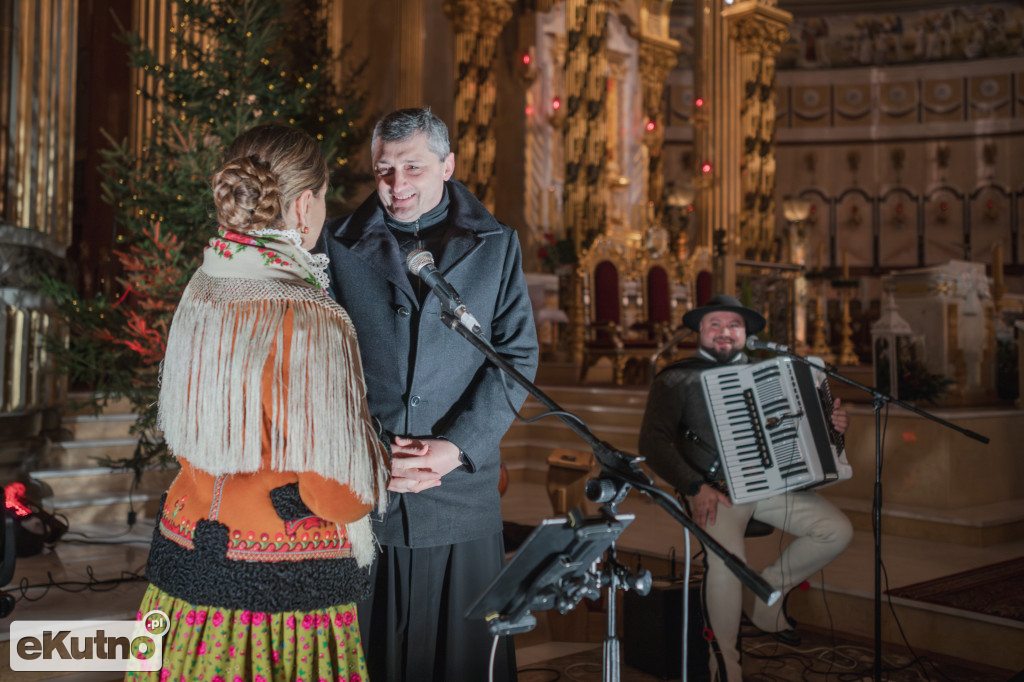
(87, 645)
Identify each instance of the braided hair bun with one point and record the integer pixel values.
(264, 170)
(247, 195)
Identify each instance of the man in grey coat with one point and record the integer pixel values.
(442, 407)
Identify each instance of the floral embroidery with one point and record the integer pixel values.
(307, 523)
(254, 645)
(178, 506)
(270, 243)
(224, 249)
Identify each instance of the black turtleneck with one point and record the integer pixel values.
(426, 232)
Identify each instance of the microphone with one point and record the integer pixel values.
(754, 343)
(421, 264)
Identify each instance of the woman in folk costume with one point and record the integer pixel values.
(263, 539)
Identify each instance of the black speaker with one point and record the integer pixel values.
(652, 640)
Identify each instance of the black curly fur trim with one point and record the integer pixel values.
(288, 503)
(206, 576)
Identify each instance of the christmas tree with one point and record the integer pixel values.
(233, 64)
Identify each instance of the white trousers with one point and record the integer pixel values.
(822, 532)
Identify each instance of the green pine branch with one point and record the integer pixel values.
(235, 64)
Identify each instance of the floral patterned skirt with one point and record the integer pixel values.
(209, 644)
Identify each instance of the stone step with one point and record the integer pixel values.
(526, 448)
(86, 427)
(556, 434)
(593, 395)
(73, 454)
(96, 494)
(79, 403)
(977, 525)
(68, 482)
(105, 507)
(593, 415)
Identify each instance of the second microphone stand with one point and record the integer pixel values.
(878, 399)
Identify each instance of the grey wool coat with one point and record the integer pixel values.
(424, 379)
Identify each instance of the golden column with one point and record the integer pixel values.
(585, 193)
(717, 140)
(759, 29)
(38, 44)
(657, 59)
(410, 54)
(478, 23)
(721, 61)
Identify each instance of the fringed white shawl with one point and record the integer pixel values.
(229, 325)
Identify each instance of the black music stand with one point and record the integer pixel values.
(551, 569)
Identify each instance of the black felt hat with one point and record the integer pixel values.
(755, 322)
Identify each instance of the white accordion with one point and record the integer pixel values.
(773, 428)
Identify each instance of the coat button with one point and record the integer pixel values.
(414, 401)
(403, 311)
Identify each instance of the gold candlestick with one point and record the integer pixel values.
(846, 354)
(820, 347)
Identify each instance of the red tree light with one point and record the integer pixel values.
(529, 110)
(556, 104)
(650, 126)
(526, 59)
(699, 102)
(705, 167)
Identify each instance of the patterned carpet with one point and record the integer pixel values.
(995, 590)
(819, 658)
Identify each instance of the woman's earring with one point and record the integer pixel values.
(305, 229)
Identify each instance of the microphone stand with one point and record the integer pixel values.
(621, 469)
(877, 400)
